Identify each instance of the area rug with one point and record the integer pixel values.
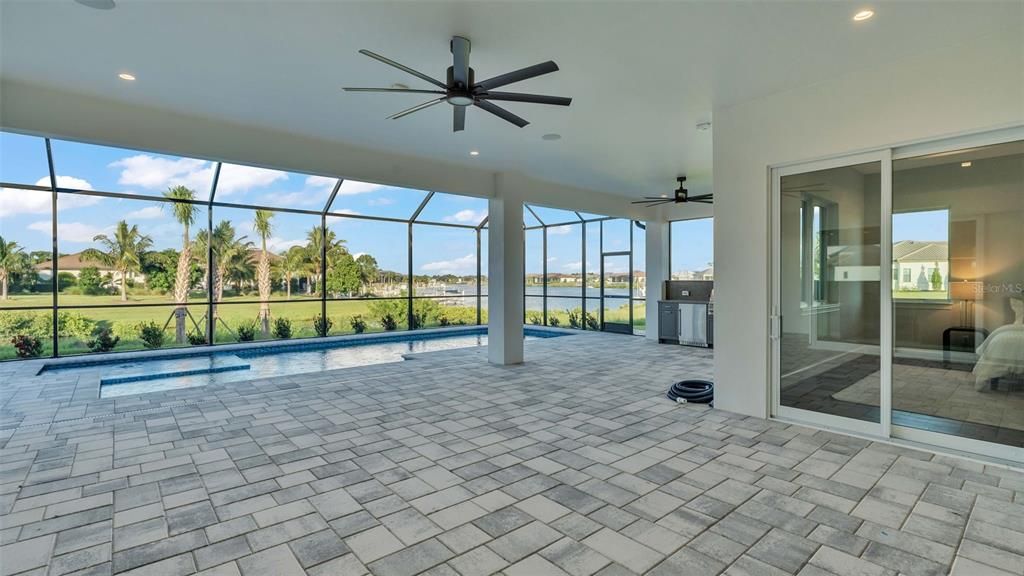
(944, 393)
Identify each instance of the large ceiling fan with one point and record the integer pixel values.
(681, 196)
(461, 89)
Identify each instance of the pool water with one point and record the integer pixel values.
(126, 377)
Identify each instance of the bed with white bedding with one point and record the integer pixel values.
(1000, 355)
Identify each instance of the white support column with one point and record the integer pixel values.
(657, 272)
(505, 277)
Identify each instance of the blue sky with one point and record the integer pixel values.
(926, 226)
(25, 215)
(692, 244)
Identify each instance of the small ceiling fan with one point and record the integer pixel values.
(461, 89)
(681, 196)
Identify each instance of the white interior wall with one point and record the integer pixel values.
(960, 89)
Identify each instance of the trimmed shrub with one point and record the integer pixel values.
(535, 319)
(592, 322)
(247, 331)
(553, 321)
(322, 325)
(152, 335)
(103, 340)
(574, 317)
(282, 328)
(27, 346)
(358, 324)
(388, 322)
(196, 338)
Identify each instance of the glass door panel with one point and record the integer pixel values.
(615, 282)
(958, 294)
(828, 297)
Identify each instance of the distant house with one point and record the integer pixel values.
(914, 262)
(74, 264)
(705, 274)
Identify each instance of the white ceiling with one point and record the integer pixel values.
(641, 74)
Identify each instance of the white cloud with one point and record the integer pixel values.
(152, 172)
(466, 216)
(294, 199)
(348, 211)
(559, 230)
(70, 231)
(321, 182)
(14, 201)
(576, 266)
(281, 245)
(384, 201)
(66, 182)
(236, 178)
(161, 173)
(147, 213)
(463, 265)
(552, 258)
(353, 187)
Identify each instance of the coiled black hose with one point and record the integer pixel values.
(695, 391)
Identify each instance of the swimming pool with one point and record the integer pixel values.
(123, 377)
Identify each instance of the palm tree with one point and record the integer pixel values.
(123, 252)
(294, 262)
(185, 214)
(263, 227)
(315, 250)
(11, 262)
(230, 253)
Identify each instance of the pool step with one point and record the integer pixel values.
(158, 370)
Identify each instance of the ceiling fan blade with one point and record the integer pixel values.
(700, 197)
(532, 98)
(399, 90)
(650, 203)
(403, 68)
(501, 113)
(701, 201)
(460, 59)
(518, 75)
(459, 119)
(416, 108)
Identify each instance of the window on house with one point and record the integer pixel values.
(920, 248)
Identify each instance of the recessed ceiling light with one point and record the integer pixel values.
(863, 15)
(126, 76)
(664, 195)
(400, 86)
(474, 153)
(965, 164)
(551, 136)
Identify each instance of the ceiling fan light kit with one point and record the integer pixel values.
(461, 89)
(680, 196)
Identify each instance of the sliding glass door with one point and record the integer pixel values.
(898, 294)
(958, 295)
(827, 325)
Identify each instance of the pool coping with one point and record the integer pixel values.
(85, 361)
(94, 383)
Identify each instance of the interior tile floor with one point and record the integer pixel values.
(573, 463)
